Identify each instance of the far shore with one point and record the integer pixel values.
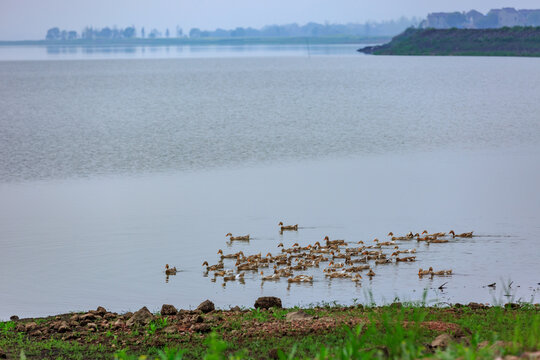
(204, 41)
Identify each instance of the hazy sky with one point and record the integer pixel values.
(30, 19)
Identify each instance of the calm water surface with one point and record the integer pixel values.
(111, 168)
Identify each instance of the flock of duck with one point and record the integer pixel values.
(341, 259)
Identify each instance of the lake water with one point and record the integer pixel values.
(111, 168)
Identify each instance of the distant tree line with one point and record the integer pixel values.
(385, 28)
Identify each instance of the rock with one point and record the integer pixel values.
(36, 333)
(168, 310)
(14, 318)
(476, 306)
(91, 327)
(198, 319)
(267, 302)
(442, 341)
(63, 327)
(531, 355)
(143, 316)
(127, 315)
(206, 306)
(109, 316)
(170, 329)
(118, 324)
(273, 353)
(201, 328)
(74, 317)
(298, 315)
(31, 326)
(20, 328)
(85, 318)
(236, 309)
(483, 344)
(101, 311)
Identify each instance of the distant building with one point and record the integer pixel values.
(476, 20)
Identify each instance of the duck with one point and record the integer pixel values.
(422, 272)
(357, 268)
(230, 256)
(288, 227)
(437, 241)
(170, 270)
(441, 272)
(370, 273)
(274, 276)
(462, 235)
(238, 238)
(334, 242)
(239, 276)
(406, 259)
(217, 266)
(356, 277)
(300, 278)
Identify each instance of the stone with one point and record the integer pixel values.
(442, 341)
(201, 328)
(273, 353)
(74, 317)
(101, 311)
(198, 319)
(476, 306)
(63, 327)
(109, 316)
(168, 310)
(20, 328)
(298, 315)
(31, 326)
(14, 318)
(87, 317)
(36, 333)
(267, 302)
(236, 309)
(91, 327)
(531, 355)
(170, 329)
(127, 315)
(206, 306)
(118, 324)
(143, 316)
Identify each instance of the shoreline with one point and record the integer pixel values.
(267, 328)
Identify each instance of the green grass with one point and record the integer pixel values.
(388, 332)
(516, 41)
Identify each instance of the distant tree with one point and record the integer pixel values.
(53, 34)
(238, 32)
(72, 35)
(195, 33)
(129, 32)
(179, 32)
(154, 34)
(142, 32)
(167, 33)
(105, 33)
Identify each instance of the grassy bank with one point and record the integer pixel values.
(396, 331)
(515, 41)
